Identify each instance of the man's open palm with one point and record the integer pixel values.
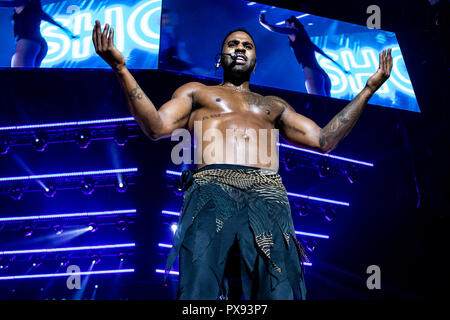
(104, 46)
(383, 72)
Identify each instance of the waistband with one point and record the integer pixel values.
(225, 166)
(232, 171)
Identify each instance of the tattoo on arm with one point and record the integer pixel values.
(211, 116)
(181, 119)
(289, 127)
(280, 123)
(338, 128)
(136, 93)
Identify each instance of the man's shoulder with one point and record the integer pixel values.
(277, 101)
(194, 85)
(189, 88)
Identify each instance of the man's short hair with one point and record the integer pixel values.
(233, 31)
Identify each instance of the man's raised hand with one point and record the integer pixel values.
(383, 72)
(105, 48)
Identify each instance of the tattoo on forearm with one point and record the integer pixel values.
(136, 93)
(181, 119)
(342, 123)
(288, 127)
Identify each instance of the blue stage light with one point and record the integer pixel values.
(87, 187)
(324, 169)
(58, 229)
(67, 215)
(16, 192)
(5, 143)
(121, 186)
(39, 142)
(68, 174)
(170, 213)
(65, 124)
(121, 225)
(326, 155)
(121, 135)
(92, 227)
(50, 191)
(330, 214)
(308, 234)
(82, 248)
(65, 274)
(317, 199)
(83, 138)
(28, 230)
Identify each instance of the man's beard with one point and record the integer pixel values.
(239, 72)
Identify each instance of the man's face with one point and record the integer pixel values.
(290, 25)
(242, 45)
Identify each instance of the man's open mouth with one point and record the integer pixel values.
(241, 59)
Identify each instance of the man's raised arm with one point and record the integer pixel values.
(302, 131)
(156, 124)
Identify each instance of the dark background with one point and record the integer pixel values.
(398, 210)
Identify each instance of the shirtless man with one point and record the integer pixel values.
(235, 206)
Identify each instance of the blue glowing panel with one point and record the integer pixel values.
(136, 25)
(314, 62)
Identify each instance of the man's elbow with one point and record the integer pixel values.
(155, 135)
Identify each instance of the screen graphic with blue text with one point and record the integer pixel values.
(69, 45)
(295, 51)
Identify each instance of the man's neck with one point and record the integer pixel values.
(237, 84)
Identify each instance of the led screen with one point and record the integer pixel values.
(344, 55)
(69, 45)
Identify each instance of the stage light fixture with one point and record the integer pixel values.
(311, 245)
(121, 186)
(330, 214)
(121, 225)
(83, 138)
(178, 191)
(122, 256)
(65, 261)
(121, 135)
(28, 230)
(39, 142)
(16, 192)
(87, 187)
(4, 263)
(92, 227)
(324, 169)
(351, 175)
(58, 229)
(36, 262)
(173, 227)
(289, 164)
(5, 143)
(304, 210)
(50, 191)
(95, 259)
